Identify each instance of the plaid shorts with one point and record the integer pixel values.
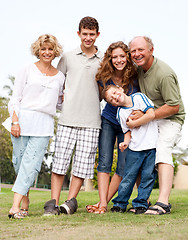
(84, 141)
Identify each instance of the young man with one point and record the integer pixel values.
(140, 136)
(159, 82)
(80, 120)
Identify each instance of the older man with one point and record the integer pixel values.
(159, 82)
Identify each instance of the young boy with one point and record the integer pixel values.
(80, 121)
(140, 138)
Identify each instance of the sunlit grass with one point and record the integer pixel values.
(83, 225)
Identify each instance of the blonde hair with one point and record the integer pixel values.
(106, 69)
(46, 38)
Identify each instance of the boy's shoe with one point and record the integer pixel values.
(50, 208)
(140, 210)
(117, 209)
(69, 206)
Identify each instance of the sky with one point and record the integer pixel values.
(164, 21)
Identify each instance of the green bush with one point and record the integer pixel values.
(114, 164)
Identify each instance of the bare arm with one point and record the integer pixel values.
(15, 128)
(166, 111)
(127, 139)
(100, 92)
(145, 118)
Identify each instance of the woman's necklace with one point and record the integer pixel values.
(46, 71)
(117, 81)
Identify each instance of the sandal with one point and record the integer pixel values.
(100, 210)
(16, 215)
(140, 210)
(132, 210)
(92, 208)
(24, 212)
(164, 209)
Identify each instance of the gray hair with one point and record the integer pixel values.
(147, 39)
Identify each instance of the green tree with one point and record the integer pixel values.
(6, 168)
(8, 88)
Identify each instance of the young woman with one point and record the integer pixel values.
(116, 68)
(37, 91)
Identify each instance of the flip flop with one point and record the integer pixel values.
(24, 212)
(16, 215)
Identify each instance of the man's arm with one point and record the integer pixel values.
(147, 117)
(166, 111)
(100, 91)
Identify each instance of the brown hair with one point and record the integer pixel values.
(106, 88)
(88, 23)
(107, 69)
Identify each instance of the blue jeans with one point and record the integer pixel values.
(107, 139)
(143, 161)
(28, 154)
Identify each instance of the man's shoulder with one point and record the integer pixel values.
(163, 67)
(72, 52)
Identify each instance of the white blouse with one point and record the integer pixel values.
(35, 99)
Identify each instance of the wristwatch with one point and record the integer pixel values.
(14, 123)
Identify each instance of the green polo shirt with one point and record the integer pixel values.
(160, 84)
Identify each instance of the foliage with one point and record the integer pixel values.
(6, 168)
(181, 155)
(8, 88)
(114, 164)
(44, 178)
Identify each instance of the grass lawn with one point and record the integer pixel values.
(83, 225)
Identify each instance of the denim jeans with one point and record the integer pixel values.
(28, 154)
(107, 139)
(143, 161)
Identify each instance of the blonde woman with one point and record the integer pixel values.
(37, 91)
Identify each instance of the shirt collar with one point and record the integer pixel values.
(98, 54)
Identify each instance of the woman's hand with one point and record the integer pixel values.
(15, 130)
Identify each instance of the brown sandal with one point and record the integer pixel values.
(92, 208)
(100, 210)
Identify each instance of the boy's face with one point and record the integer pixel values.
(115, 96)
(88, 37)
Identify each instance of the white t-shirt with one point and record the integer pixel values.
(145, 136)
(35, 98)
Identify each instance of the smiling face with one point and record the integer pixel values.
(141, 53)
(119, 59)
(115, 96)
(88, 37)
(46, 52)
